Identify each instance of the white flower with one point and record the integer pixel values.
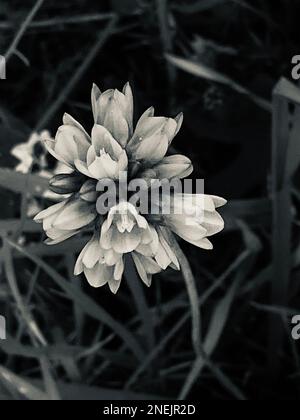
(105, 158)
(27, 154)
(114, 110)
(99, 265)
(71, 142)
(66, 219)
(114, 147)
(32, 155)
(146, 267)
(174, 166)
(152, 137)
(193, 217)
(124, 229)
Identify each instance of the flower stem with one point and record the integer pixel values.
(191, 289)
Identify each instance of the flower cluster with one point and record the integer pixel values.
(114, 146)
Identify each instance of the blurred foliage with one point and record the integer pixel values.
(217, 61)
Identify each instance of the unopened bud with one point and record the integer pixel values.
(65, 183)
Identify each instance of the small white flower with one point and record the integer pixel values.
(105, 158)
(114, 110)
(152, 137)
(194, 218)
(99, 265)
(27, 155)
(32, 155)
(71, 142)
(124, 229)
(66, 219)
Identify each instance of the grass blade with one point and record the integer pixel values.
(203, 71)
(24, 387)
(283, 95)
(86, 303)
(137, 290)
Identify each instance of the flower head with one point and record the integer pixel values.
(124, 228)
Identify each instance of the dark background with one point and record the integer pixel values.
(227, 135)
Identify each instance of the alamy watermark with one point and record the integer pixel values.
(2, 67)
(296, 68)
(296, 327)
(152, 196)
(2, 328)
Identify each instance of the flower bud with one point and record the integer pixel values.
(152, 137)
(175, 166)
(114, 110)
(65, 183)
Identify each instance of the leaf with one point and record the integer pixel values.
(55, 352)
(215, 329)
(199, 6)
(78, 392)
(33, 328)
(203, 71)
(23, 386)
(281, 215)
(86, 303)
(137, 291)
(18, 183)
(254, 212)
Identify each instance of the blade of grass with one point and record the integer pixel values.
(203, 71)
(216, 326)
(199, 6)
(37, 336)
(62, 21)
(23, 386)
(222, 311)
(165, 34)
(11, 50)
(161, 345)
(283, 95)
(86, 303)
(26, 315)
(137, 291)
(191, 289)
(103, 37)
(17, 182)
(78, 313)
(50, 384)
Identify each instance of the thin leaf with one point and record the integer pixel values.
(203, 71)
(17, 182)
(86, 303)
(24, 387)
(215, 329)
(137, 290)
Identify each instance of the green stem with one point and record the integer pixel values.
(191, 289)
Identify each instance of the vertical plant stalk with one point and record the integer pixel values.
(191, 290)
(91, 55)
(12, 48)
(166, 39)
(284, 94)
(137, 291)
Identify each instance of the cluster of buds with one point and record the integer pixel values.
(115, 147)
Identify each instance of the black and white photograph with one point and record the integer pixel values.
(150, 203)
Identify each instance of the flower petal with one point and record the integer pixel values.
(102, 139)
(178, 166)
(96, 276)
(49, 211)
(127, 241)
(75, 215)
(93, 253)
